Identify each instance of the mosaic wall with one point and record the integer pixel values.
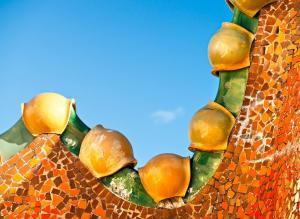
(259, 176)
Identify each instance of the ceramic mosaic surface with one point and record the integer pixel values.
(259, 176)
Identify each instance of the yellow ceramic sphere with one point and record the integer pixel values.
(166, 176)
(250, 7)
(104, 152)
(210, 128)
(229, 49)
(47, 113)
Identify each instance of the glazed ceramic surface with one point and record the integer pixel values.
(256, 176)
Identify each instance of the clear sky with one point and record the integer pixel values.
(137, 66)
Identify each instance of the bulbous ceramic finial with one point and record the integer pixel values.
(229, 49)
(104, 152)
(47, 113)
(250, 7)
(210, 128)
(166, 176)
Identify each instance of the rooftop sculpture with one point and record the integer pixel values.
(245, 143)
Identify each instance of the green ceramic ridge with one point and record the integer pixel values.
(74, 133)
(203, 167)
(127, 184)
(14, 140)
(232, 87)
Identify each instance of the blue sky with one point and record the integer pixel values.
(137, 66)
